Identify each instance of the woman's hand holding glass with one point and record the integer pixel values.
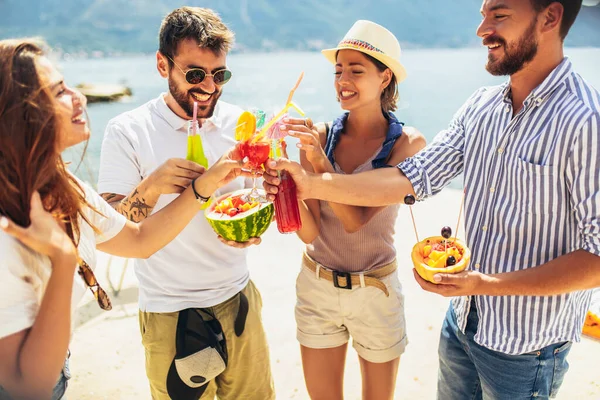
(310, 141)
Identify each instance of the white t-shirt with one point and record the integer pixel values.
(195, 269)
(24, 273)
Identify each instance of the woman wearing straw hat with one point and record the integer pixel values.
(348, 284)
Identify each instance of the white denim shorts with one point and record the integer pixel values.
(327, 316)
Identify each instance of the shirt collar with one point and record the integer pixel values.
(554, 80)
(547, 87)
(178, 123)
(506, 92)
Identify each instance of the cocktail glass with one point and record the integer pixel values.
(256, 153)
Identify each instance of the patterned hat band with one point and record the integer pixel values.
(359, 44)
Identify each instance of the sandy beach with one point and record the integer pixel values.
(108, 360)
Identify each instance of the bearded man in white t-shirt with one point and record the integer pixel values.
(142, 171)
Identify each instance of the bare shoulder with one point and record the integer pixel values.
(410, 143)
(12, 251)
(322, 129)
(413, 136)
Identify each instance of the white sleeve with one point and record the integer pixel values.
(119, 164)
(18, 301)
(108, 221)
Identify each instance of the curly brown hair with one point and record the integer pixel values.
(30, 130)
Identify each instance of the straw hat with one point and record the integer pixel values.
(374, 40)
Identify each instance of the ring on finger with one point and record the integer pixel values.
(308, 123)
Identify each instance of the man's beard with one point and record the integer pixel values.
(183, 98)
(516, 55)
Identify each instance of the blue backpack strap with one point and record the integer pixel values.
(337, 128)
(393, 133)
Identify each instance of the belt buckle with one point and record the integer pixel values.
(346, 275)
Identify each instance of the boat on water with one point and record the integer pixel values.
(98, 93)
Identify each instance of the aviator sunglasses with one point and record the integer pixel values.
(90, 279)
(194, 76)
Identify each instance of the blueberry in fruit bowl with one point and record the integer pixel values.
(446, 232)
(450, 261)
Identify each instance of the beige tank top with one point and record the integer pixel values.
(370, 247)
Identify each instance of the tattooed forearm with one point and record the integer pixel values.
(135, 207)
(109, 197)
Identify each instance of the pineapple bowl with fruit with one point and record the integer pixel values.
(438, 254)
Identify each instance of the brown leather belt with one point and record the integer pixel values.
(350, 280)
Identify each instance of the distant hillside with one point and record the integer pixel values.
(113, 26)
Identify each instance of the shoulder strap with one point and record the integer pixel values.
(327, 130)
(333, 135)
(393, 133)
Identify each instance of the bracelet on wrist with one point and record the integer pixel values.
(201, 199)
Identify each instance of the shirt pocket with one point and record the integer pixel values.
(538, 188)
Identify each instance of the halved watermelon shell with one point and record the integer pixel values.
(243, 226)
(425, 271)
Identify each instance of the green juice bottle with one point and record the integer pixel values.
(195, 151)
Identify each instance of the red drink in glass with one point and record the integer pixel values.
(257, 153)
(287, 212)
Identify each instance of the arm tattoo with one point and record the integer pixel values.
(134, 207)
(109, 197)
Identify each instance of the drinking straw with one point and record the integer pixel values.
(289, 99)
(195, 117)
(260, 116)
(289, 103)
(276, 118)
(275, 150)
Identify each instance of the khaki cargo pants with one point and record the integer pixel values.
(248, 372)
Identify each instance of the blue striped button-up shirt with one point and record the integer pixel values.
(532, 194)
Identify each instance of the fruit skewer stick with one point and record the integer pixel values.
(446, 234)
(409, 200)
(462, 203)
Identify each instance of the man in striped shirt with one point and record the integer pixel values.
(530, 153)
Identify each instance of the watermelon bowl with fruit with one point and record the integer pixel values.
(235, 217)
(440, 255)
